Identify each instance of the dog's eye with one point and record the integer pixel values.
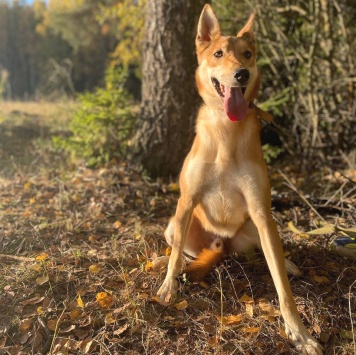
(247, 54)
(218, 54)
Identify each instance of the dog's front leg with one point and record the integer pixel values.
(183, 217)
(272, 249)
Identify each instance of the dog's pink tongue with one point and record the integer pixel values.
(235, 104)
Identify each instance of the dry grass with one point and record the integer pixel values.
(83, 232)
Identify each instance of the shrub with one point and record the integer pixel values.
(103, 123)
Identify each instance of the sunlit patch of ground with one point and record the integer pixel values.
(76, 278)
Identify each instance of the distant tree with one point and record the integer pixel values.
(169, 96)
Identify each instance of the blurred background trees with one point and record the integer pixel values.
(60, 48)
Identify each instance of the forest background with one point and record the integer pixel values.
(97, 111)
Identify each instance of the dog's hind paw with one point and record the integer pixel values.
(168, 290)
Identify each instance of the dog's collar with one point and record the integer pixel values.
(263, 115)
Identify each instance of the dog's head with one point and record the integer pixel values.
(227, 74)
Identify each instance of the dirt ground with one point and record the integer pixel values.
(76, 251)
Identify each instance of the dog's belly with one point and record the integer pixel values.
(222, 211)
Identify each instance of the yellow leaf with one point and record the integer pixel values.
(181, 305)
(104, 299)
(246, 299)
(231, 320)
(138, 236)
(42, 280)
(32, 201)
(148, 266)
(94, 269)
(40, 311)
(42, 256)
(168, 251)
(117, 224)
(109, 319)
(27, 185)
(80, 302)
(174, 186)
(293, 228)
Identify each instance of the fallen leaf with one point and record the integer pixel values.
(75, 314)
(249, 310)
(321, 279)
(109, 319)
(121, 329)
(40, 311)
(181, 305)
(246, 299)
(25, 325)
(86, 345)
(33, 300)
(52, 324)
(148, 266)
(42, 256)
(94, 269)
(42, 280)
(213, 341)
(80, 302)
(250, 330)
(159, 301)
(117, 224)
(104, 299)
(231, 320)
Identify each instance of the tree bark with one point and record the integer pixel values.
(169, 97)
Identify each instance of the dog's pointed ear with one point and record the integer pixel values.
(208, 26)
(247, 31)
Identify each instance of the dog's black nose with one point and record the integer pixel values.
(242, 76)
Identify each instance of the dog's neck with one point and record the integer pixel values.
(221, 139)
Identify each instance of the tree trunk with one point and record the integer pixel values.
(169, 96)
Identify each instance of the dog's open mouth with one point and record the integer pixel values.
(220, 88)
(235, 105)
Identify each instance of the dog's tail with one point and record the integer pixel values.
(206, 260)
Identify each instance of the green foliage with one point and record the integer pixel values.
(271, 152)
(102, 124)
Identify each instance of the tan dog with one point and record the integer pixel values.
(225, 191)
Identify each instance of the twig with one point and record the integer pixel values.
(294, 188)
(347, 178)
(15, 257)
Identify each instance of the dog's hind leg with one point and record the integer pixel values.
(247, 239)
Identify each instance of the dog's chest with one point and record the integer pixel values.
(223, 202)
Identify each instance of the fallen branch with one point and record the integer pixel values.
(15, 257)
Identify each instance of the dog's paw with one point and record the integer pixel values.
(168, 290)
(304, 342)
(311, 347)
